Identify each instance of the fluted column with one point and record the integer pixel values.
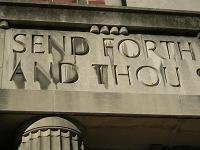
(51, 133)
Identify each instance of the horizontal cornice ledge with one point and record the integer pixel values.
(73, 17)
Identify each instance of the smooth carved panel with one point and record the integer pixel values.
(81, 61)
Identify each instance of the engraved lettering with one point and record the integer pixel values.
(148, 76)
(55, 59)
(37, 44)
(198, 72)
(68, 73)
(151, 49)
(172, 80)
(127, 74)
(169, 46)
(185, 48)
(108, 47)
(19, 43)
(54, 45)
(129, 48)
(42, 76)
(18, 76)
(79, 46)
(108, 51)
(102, 73)
(58, 53)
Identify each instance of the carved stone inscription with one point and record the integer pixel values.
(37, 59)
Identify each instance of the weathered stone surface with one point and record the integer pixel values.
(2, 47)
(63, 16)
(155, 4)
(98, 103)
(123, 31)
(90, 102)
(129, 91)
(94, 29)
(79, 61)
(89, 73)
(193, 5)
(26, 101)
(4, 25)
(114, 30)
(113, 2)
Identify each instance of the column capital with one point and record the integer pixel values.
(51, 133)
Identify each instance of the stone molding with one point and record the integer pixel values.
(83, 17)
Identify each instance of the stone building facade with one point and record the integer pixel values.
(99, 74)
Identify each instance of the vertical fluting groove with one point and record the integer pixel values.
(26, 146)
(45, 143)
(45, 140)
(35, 143)
(65, 143)
(65, 140)
(35, 140)
(75, 142)
(55, 140)
(26, 142)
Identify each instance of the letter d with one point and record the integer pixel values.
(79, 46)
(69, 73)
